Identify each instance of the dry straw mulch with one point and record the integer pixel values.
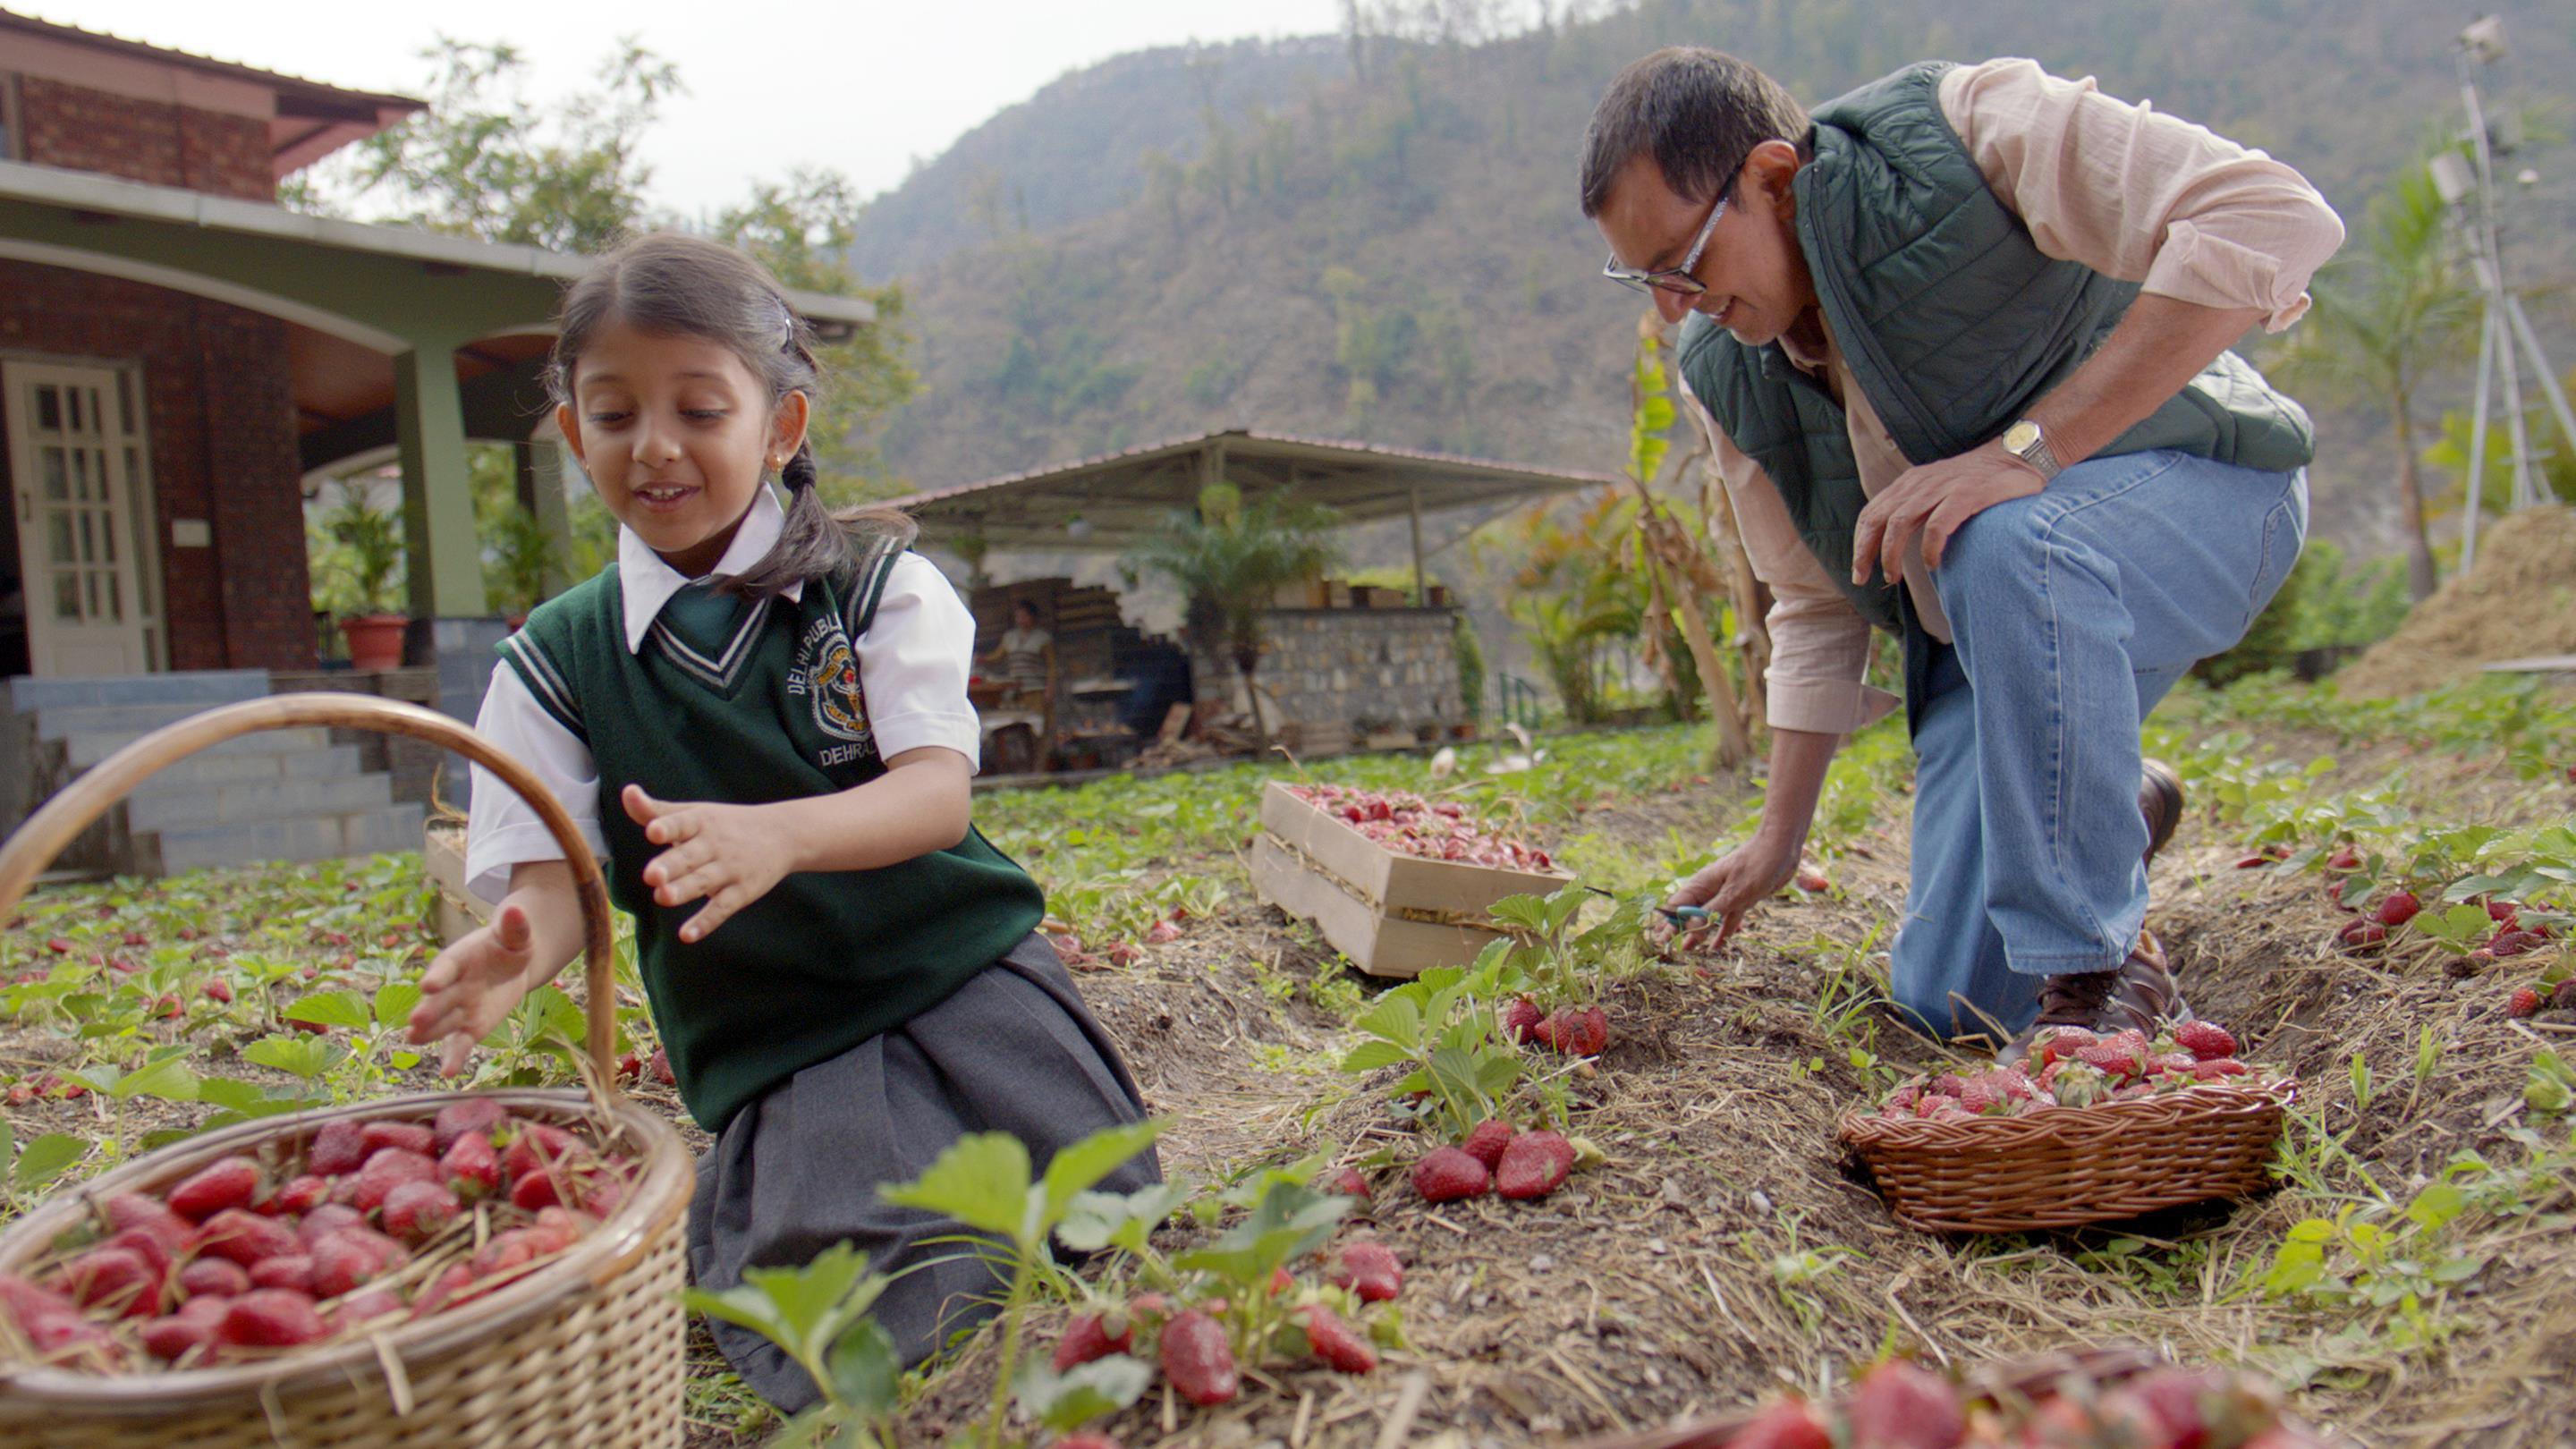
(2518, 603)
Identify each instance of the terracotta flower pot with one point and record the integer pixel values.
(375, 641)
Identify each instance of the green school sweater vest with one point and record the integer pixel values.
(749, 703)
(1952, 321)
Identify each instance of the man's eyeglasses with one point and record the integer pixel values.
(1676, 280)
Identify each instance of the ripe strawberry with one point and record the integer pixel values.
(1370, 1270)
(231, 1183)
(58, 946)
(339, 1146)
(415, 1212)
(1521, 1019)
(2514, 942)
(1534, 1165)
(270, 1318)
(2504, 913)
(115, 1279)
(1788, 1424)
(190, 1329)
(1978, 1096)
(1197, 1359)
(1446, 1174)
(286, 1270)
(1486, 1142)
(309, 1028)
(2399, 908)
(300, 1195)
(1812, 880)
(2344, 858)
(2121, 1054)
(471, 1166)
(2253, 862)
(2060, 1045)
(1162, 933)
(134, 1212)
(1335, 1342)
(1899, 1404)
(2217, 1067)
(245, 1237)
(660, 1066)
(410, 1136)
(327, 1219)
(388, 1168)
(213, 1276)
(537, 1147)
(218, 990)
(456, 1119)
(367, 1305)
(352, 1256)
(1348, 1182)
(2206, 1040)
(1087, 1337)
(2172, 1064)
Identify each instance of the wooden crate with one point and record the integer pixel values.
(442, 858)
(1392, 914)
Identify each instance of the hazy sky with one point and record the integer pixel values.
(863, 87)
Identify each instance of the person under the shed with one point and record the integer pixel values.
(1959, 340)
(1026, 654)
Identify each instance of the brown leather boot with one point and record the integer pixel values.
(2160, 800)
(2140, 992)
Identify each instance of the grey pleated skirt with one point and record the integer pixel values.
(1014, 1050)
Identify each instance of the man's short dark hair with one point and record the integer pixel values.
(1698, 112)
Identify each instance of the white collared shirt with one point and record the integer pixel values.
(913, 662)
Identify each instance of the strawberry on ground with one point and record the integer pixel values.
(1899, 1403)
(1486, 1141)
(2397, 909)
(1348, 1182)
(1197, 1359)
(1788, 1424)
(1370, 1270)
(1534, 1165)
(1335, 1342)
(1521, 1019)
(1446, 1174)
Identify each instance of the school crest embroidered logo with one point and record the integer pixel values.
(840, 710)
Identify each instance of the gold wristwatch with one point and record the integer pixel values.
(2025, 441)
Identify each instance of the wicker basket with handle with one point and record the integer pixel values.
(585, 1351)
(2067, 1166)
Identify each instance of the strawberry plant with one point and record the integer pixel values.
(1443, 1025)
(817, 1314)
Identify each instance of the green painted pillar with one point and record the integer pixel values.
(438, 492)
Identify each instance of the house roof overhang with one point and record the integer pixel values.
(1106, 504)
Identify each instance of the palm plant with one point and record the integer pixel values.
(1229, 558)
(2392, 311)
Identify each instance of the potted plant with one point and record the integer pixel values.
(1229, 559)
(370, 563)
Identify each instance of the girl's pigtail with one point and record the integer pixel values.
(817, 543)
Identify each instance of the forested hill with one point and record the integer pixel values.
(1380, 239)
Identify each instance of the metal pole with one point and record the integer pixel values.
(2540, 366)
(2499, 295)
(2477, 487)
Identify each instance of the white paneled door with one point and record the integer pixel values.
(76, 468)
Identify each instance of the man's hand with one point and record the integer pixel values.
(1731, 884)
(472, 985)
(729, 854)
(1933, 500)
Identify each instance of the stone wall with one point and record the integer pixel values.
(1349, 665)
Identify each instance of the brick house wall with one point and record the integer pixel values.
(221, 435)
(81, 129)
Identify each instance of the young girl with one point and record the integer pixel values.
(759, 716)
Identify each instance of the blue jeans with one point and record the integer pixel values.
(2072, 611)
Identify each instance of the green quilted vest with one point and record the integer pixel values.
(751, 703)
(1951, 320)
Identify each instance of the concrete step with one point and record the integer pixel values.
(358, 832)
(54, 722)
(332, 763)
(88, 747)
(201, 688)
(250, 801)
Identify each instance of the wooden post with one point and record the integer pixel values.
(1413, 505)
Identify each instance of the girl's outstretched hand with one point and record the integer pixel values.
(472, 986)
(729, 854)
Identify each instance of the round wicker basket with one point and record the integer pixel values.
(585, 1351)
(2065, 1167)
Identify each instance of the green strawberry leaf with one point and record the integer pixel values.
(982, 1180)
